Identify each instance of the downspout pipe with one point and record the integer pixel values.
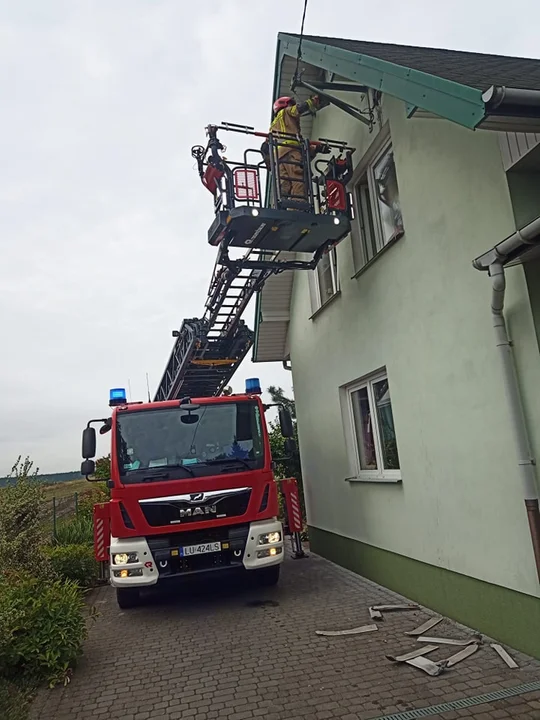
(526, 462)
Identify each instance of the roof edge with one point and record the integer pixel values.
(459, 103)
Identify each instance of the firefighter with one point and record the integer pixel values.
(287, 120)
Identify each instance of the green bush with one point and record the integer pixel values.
(103, 468)
(74, 562)
(98, 494)
(78, 530)
(21, 523)
(287, 467)
(49, 628)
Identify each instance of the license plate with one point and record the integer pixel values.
(200, 549)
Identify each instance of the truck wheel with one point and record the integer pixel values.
(127, 597)
(267, 576)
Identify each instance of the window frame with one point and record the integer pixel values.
(364, 177)
(358, 474)
(317, 300)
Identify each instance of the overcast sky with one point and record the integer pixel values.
(102, 218)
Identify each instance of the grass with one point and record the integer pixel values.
(64, 489)
(14, 700)
(75, 531)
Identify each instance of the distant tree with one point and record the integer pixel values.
(103, 468)
(23, 470)
(278, 396)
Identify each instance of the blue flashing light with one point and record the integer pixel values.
(117, 396)
(253, 386)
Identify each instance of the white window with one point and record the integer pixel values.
(324, 280)
(377, 207)
(372, 436)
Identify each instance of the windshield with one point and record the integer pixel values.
(175, 443)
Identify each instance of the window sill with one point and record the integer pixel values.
(377, 256)
(325, 305)
(367, 478)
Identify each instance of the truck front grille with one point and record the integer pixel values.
(186, 509)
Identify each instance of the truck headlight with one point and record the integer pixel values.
(125, 558)
(269, 538)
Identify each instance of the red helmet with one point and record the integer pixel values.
(283, 102)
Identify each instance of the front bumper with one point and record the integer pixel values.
(263, 527)
(159, 559)
(146, 565)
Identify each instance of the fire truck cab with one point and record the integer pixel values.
(192, 490)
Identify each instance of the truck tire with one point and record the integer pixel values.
(266, 577)
(127, 597)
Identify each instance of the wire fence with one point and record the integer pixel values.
(58, 509)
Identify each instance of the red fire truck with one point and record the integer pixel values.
(192, 490)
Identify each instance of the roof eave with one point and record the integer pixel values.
(456, 102)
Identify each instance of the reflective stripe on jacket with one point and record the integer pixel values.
(288, 121)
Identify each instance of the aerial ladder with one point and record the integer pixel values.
(273, 231)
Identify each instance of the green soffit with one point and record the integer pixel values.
(447, 99)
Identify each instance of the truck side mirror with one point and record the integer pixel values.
(88, 443)
(290, 447)
(285, 422)
(88, 467)
(106, 427)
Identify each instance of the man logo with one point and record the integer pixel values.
(196, 497)
(193, 512)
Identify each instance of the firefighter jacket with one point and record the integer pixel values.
(288, 121)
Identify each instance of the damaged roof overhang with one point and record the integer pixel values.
(426, 95)
(520, 247)
(445, 98)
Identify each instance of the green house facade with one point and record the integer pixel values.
(408, 412)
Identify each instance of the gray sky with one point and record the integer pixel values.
(102, 218)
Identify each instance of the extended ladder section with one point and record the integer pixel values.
(207, 351)
(290, 227)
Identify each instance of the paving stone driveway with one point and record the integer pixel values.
(217, 654)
